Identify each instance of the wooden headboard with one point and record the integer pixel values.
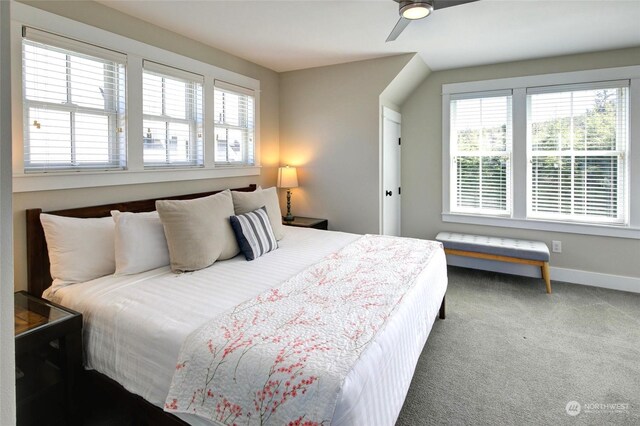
(38, 268)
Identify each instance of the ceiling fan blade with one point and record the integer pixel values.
(400, 26)
(441, 4)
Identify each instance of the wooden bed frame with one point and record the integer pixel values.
(39, 279)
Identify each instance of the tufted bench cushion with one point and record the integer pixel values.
(501, 249)
(523, 249)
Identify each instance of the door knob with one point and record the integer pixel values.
(388, 193)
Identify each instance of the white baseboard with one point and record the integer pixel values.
(574, 276)
(596, 279)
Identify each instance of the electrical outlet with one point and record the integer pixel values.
(556, 246)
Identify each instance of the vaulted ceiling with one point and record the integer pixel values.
(289, 35)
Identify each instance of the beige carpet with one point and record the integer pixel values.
(509, 354)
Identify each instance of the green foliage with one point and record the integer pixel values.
(486, 139)
(595, 129)
(565, 184)
(583, 185)
(484, 182)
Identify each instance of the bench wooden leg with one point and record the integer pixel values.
(442, 314)
(544, 266)
(546, 276)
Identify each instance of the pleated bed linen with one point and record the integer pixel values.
(166, 308)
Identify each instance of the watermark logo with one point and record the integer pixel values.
(573, 408)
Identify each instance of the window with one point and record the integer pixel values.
(73, 97)
(121, 112)
(234, 125)
(172, 122)
(481, 139)
(548, 152)
(577, 141)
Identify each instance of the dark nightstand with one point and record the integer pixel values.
(48, 362)
(308, 222)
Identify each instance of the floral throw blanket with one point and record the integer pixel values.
(281, 358)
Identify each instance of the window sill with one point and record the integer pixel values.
(71, 180)
(542, 225)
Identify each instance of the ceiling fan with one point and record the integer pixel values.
(410, 10)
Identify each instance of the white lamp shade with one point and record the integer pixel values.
(287, 177)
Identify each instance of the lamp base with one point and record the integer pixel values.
(289, 217)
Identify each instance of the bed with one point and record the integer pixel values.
(135, 325)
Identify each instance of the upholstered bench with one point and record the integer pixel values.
(534, 253)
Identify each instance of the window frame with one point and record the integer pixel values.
(193, 117)
(508, 153)
(520, 163)
(619, 153)
(135, 173)
(115, 116)
(236, 90)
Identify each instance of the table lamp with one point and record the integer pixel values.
(288, 178)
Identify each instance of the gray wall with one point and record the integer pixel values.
(111, 20)
(422, 169)
(326, 120)
(329, 126)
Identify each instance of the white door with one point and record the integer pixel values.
(390, 172)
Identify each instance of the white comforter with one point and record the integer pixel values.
(135, 325)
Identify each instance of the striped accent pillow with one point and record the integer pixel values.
(254, 233)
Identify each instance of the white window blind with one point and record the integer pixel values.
(172, 121)
(577, 144)
(234, 112)
(480, 149)
(74, 104)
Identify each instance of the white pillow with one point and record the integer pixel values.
(246, 202)
(79, 249)
(140, 244)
